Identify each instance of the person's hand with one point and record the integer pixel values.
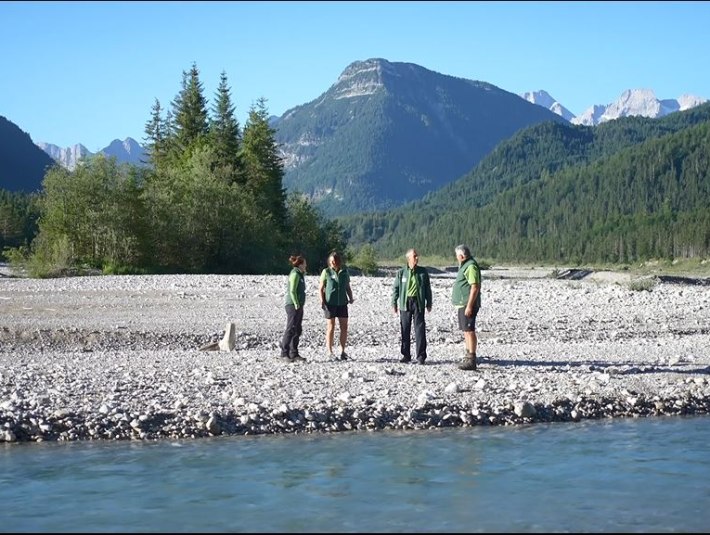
(428, 309)
(469, 311)
(396, 309)
(352, 300)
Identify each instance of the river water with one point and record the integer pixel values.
(622, 475)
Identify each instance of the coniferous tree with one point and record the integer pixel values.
(225, 134)
(263, 164)
(19, 212)
(156, 139)
(189, 124)
(310, 233)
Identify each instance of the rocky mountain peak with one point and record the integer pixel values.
(543, 98)
(686, 102)
(67, 157)
(636, 102)
(126, 151)
(361, 78)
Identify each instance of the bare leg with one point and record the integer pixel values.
(471, 341)
(329, 334)
(343, 333)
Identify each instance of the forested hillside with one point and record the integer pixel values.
(630, 189)
(22, 163)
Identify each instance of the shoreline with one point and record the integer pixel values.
(118, 357)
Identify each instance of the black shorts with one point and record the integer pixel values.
(467, 324)
(335, 311)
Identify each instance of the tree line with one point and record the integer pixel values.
(211, 200)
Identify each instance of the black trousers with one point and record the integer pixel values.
(406, 318)
(292, 335)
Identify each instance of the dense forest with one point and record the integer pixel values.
(19, 212)
(627, 190)
(211, 201)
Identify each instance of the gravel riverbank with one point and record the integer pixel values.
(118, 357)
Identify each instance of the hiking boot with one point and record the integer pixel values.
(344, 356)
(421, 361)
(297, 358)
(469, 363)
(405, 359)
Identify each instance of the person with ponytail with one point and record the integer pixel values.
(295, 301)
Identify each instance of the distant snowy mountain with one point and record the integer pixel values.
(634, 102)
(543, 98)
(126, 151)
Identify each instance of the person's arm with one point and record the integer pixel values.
(395, 292)
(349, 291)
(427, 292)
(293, 288)
(472, 296)
(321, 288)
(475, 283)
(346, 285)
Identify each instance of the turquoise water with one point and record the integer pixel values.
(636, 475)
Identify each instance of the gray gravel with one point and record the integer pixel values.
(118, 357)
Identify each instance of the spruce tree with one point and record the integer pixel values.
(263, 164)
(225, 134)
(189, 118)
(156, 135)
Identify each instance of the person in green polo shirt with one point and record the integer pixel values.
(294, 303)
(466, 297)
(411, 295)
(335, 295)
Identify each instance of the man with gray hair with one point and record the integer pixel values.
(466, 297)
(411, 296)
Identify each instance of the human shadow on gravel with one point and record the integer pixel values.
(618, 368)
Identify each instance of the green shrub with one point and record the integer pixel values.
(365, 260)
(640, 285)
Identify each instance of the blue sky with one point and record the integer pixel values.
(89, 72)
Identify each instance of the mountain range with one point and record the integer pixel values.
(386, 133)
(630, 189)
(631, 103)
(128, 151)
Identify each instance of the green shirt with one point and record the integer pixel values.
(296, 290)
(412, 286)
(469, 274)
(336, 286)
